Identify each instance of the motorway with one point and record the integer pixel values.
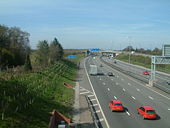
(161, 78)
(132, 93)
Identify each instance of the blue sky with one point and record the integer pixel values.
(106, 24)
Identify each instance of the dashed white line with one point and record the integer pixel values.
(122, 79)
(112, 79)
(169, 109)
(94, 105)
(115, 97)
(128, 113)
(84, 93)
(90, 95)
(117, 83)
(108, 89)
(133, 97)
(138, 90)
(151, 97)
(97, 111)
(104, 83)
(100, 79)
(124, 90)
(93, 99)
(129, 84)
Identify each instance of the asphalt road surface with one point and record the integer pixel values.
(132, 93)
(137, 71)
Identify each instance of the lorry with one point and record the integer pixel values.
(93, 70)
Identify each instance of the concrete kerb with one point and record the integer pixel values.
(76, 113)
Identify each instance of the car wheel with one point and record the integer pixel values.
(144, 118)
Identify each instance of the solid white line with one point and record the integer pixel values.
(93, 99)
(84, 93)
(138, 90)
(115, 97)
(133, 97)
(108, 89)
(128, 113)
(96, 97)
(151, 97)
(124, 90)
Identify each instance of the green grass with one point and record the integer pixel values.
(142, 61)
(28, 98)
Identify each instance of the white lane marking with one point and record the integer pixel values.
(169, 109)
(100, 120)
(117, 83)
(151, 97)
(97, 111)
(82, 89)
(122, 79)
(138, 90)
(90, 95)
(96, 97)
(128, 113)
(129, 84)
(117, 76)
(143, 85)
(133, 97)
(104, 83)
(93, 99)
(94, 105)
(115, 97)
(124, 90)
(108, 89)
(112, 79)
(100, 79)
(84, 93)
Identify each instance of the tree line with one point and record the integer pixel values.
(155, 51)
(14, 46)
(15, 49)
(48, 53)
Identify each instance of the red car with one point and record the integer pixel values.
(116, 105)
(147, 112)
(145, 73)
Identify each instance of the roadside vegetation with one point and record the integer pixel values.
(144, 61)
(31, 81)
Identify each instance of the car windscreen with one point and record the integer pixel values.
(118, 104)
(150, 111)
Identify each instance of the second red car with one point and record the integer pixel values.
(147, 112)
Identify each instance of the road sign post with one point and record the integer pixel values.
(164, 59)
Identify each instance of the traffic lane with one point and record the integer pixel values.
(139, 86)
(137, 83)
(146, 100)
(132, 105)
(114, 119)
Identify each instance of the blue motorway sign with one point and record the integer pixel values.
(94, 49)
(71, 56)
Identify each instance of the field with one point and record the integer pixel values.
(28, 98)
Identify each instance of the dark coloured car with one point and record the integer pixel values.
(110, 74)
